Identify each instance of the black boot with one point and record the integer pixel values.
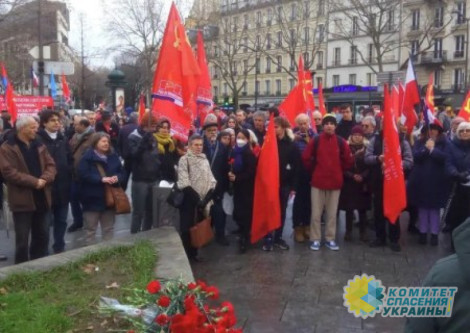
(242, 244)
(423, 238)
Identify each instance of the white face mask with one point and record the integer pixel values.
(241, 143)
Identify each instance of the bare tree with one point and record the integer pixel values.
(137, 29)
(378, 22)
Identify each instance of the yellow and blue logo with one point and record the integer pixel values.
(363, 296)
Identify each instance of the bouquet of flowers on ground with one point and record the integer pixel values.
(176, 307)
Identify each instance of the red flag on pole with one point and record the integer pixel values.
(176, 77)
(65, 88)
(291, 106)
(411, 97)
(430, 95)
(141, 107)
(394, 179)
(9, 95)
(321, 100)
(266, 204)
(395, 103)
(465, 109)
(204, 89)
(401, 95)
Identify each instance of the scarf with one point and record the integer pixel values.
(164, 140)
(102, 157)
(238, 158)
(81, 135)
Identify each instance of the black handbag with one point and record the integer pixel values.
(176, 197)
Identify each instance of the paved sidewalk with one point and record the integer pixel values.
(302, 291)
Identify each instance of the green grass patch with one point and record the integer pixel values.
(66, 298)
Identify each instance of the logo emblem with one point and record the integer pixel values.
(363, 296)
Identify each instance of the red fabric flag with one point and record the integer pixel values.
(401, 95)
(9, 95)
(430, 95)
(65, 89)
(204, 89)
(141, 107)
(292, 105)
(176, 78)
(394, 179)
(465, 109)
(411, 97)
(266, 204)
(321, 100)
(395, 103)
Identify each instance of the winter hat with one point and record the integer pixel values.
(210, 121)
(357, 130)
(437, 125)
(329, 118)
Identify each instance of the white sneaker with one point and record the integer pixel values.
(315, 246)
(332, 245)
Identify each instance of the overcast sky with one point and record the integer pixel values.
(95, 37)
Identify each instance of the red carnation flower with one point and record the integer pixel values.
(164, 301)
(162, 319)
(192, 286)
(227, 307)
(212, 292)
(154, 287)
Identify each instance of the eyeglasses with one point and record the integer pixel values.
(317, 119)
(467, 130)
(365, 126)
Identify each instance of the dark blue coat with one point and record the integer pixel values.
(428, 185)
(458, 158)
(91, 190)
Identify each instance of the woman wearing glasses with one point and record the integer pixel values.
(458, 167)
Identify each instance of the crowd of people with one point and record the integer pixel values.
(52, 162)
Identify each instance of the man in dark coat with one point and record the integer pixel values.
(122, 144)
(259, 121)
(57, 146)
(347, 123)
(28, 170)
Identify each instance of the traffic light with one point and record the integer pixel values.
(41, 67)
(226, 100)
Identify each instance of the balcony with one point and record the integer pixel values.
(458, 87)
(279, 69)
(458, 54)
(268, 70)
(432, 57)
(352, 61)
(319, 66)
(244, 93)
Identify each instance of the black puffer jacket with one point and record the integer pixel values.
(143, 152)
(59, 150)
(289, 162)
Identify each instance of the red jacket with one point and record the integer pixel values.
(329, 166)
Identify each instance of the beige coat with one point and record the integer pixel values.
(195, 171)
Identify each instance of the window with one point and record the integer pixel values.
(257, 87)
(292, 36)
(245, 66)
(415, 14)
(278, 87)
(391, 20)
(438, 48)
(337, 56)
(370, 53)
(279, 14)
(268, 65)
(258, 42)
(414, 47)
(258, 19)
(338, 25)
(459, 46)
(216, 91)
(268, 41)
(306, 59)
(458, 78)
(352, 79)
(353, 52)
(320, 60)
(291, 84)
(279, 39)
(268, 87)
(321, 7)
(355, 26)
(306, 9)
(319, 81)
(292, 64)
(257, 64)
(244, 92)
(335, 80)
(306, 35)
(321, 33)
(269, 16)
(216, 51)
(279, 63)
(245, 21)
(235, 23)
(437, 77)
(370, 79)
(225, 89)
(439, 17)
(293, 11)
(245, 44)
(461, 12)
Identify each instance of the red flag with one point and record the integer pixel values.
(141, 107)
(401, 94)
(266, 204)
(176, 77)
(65, 89)
(430, 95)
(9, 95)
(204, 89)
(394, 180)
(409, 117)
(292, 105)
(395, 103)
(321, 101)
(465, 109)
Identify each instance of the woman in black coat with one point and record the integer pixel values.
(242, 175)
(355, 194)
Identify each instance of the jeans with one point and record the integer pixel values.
(75, 205)
(36, 224)
(58, 218)
(142, 210)
(218, 219)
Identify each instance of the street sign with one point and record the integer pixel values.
(46, 52)
(56, 67)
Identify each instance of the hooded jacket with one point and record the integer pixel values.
(451, 271)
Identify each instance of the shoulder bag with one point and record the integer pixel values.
(176, 196)
(115, 197)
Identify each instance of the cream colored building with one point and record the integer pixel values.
(339, 45)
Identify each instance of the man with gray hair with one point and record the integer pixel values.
(259, 121)
(368, 127)
(29, 172)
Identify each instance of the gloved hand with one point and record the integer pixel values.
(462, 177)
